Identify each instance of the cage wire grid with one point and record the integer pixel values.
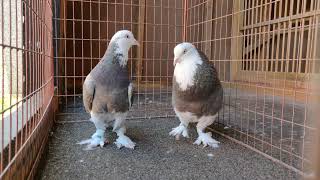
(259, 25)
(265, 52)
(27, 89)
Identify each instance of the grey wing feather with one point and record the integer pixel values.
(130, 94)
(88, 93)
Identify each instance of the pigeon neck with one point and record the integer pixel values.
(184, 72)
(122, 48)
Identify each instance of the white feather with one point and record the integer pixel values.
(185, 70)
(124, 39)
(189, 117)
(186, 117)
(123, 49)
(130, 94)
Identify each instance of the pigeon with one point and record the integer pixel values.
(197, 94)
(108, 92)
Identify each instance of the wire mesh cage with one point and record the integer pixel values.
(85, 31)
(265, 52)
(26, 84)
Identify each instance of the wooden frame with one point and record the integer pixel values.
(236, 42)
(208, 28)
(286, 80)
(141, 34)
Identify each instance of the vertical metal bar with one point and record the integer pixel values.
(17, 77)
(294, 70)
(286, 68)
(272, 60)
(258, 62)
(131, 27)
(56, 42)
(161, 46)
(36, 64)
(22, 19)
(33, 67)
(253, 64)
(278, 37)
(28, 65)
(65, 54)
(90, 20)
(144, 62)
(168, 50)
(123, 22)
(302, 28)
(2, 94)
(194, 25)
(244, 63)
(74, 54)
(82, 49)
(185, 15)
(10, 83)
(140, 50)
(153, 50)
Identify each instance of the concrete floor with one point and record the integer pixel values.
(157, 156)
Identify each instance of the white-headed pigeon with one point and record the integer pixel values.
(107, 92)
(197, 94)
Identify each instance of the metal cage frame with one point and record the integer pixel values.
(265, 52)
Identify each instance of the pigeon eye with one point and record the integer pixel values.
(184, 51)
(127, 36)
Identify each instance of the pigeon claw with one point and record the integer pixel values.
(206, 140)
(124, 141)
(96, 140)
(177, 131)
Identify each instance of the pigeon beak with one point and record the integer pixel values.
(136, 43)
(176, 61)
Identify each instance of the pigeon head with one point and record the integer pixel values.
(120, 43)
(186, 61)
(124, 39)
(185, 52)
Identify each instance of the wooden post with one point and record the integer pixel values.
(141, 26)
(236, 41)
(208, 28)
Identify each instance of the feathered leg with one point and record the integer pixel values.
(120, 129)
(182, 128)
(98, 138)
(206, 138)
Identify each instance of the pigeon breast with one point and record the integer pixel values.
(112, 81)
(205, 97)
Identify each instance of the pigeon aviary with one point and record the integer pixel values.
(216, 89)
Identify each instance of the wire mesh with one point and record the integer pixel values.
(26, 66)
(86, 28)
(265, 52)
